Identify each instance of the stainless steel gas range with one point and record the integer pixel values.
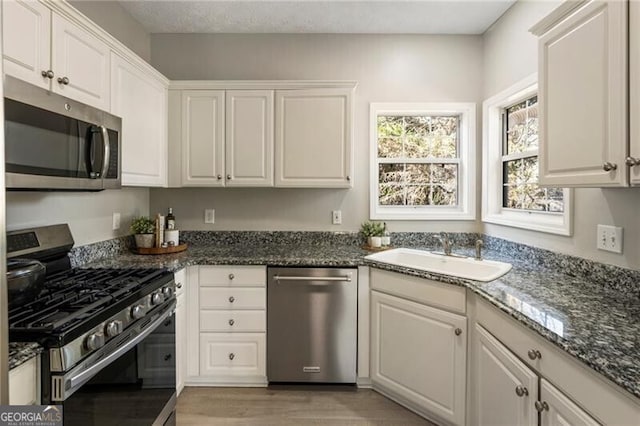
(108, 334)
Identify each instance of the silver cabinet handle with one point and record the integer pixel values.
(458, 331)
(231, 356)
(228, 177)
(49, 74)
(232, 299)
(631, 161)
(541, 406)
(219, 177)
(348, 178)
(608, 166)
(534, 354)
(306, 278)
(179, 285)
(231, 276)
(63, 80)
(231, 322)
(522, 391)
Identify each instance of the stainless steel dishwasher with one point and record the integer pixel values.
(312, 325)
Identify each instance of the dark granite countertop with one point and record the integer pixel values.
(21, 352)
(597, 325)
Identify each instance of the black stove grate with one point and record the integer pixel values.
(73, 298)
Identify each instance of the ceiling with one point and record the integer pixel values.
(310, 16)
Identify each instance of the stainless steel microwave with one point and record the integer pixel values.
(55, 143)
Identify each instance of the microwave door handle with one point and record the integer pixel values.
(107, 151)
(90, 153)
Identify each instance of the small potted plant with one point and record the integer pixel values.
(373, 232)
(143, 229)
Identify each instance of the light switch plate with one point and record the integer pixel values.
(609, 238)
(209, 216)
(116, 221)
(336, 217)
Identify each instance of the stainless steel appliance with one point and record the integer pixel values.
(108, 334)
(312, 325)
(55, 143)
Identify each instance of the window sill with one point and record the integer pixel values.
(556, 224)
(443, 215)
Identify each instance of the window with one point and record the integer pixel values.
(512, 195)
(421, 166)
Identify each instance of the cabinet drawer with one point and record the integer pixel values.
(23, 383)
(227, 354)
(234, 276)
(232, 298)
(233, 321)
(440, 295)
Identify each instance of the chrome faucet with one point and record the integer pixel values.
(446, 244)
(479, 244)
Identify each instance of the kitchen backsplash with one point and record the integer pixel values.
(620, 279)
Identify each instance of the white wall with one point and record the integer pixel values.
(387, 67)
(113, 18)
(510, 54)
(89, 214)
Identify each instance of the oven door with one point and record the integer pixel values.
(137, 388)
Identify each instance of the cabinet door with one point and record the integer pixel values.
(203, 138)
(23, 383)
(560, 410)
(505, 388)
(634, 89)
(249, 138)
(314, 138)
(229, 355)
(418, 356)
(141, 101)
(81, 64)
(583, 98)
(181, 342)
(26, 41)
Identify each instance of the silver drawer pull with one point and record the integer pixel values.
(522, 391)
(541, 406)
(231, 322)
(232, 299)
(609, 166)
(231, 356)
(179, 285)
(343, 278)
(534, 354)
(458, 331)
(231, 276)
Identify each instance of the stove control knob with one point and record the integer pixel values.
(167, 292)
(157, 298)
(113, 328)
(137, 312)
(94, 341)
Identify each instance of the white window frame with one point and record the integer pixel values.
(492, 169)
(466, 196)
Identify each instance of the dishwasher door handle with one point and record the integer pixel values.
(344, 278)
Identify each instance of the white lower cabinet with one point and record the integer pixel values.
(557, 409)
(418, 356)
(226, 317)
(23, 383)
(181, 329)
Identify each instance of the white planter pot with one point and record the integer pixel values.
(144, 240)
(375, 241)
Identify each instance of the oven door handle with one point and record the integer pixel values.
(83, 377)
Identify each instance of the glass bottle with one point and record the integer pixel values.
(386, 236)
(171, 220)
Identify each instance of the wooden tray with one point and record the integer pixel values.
(160, 250)
(369, 248)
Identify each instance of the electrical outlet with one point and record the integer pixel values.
(336, 217)
(116, 221)
(209, 216)
(609, 238)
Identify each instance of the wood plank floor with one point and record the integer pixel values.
(286, 406)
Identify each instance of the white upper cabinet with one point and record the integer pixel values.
(81, 64)
(26, 41)
(203, 138)
(505, 388)
(583, 95)
(249, 138)
(140, 99)
(314, 139)
(633, 162)
(47, 50)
